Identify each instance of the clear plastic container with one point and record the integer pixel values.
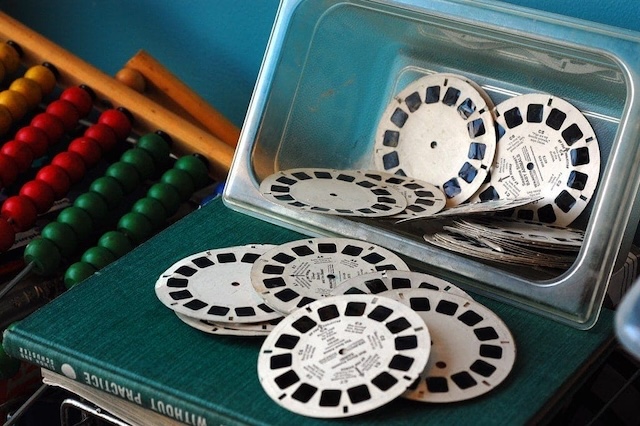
(332, 67)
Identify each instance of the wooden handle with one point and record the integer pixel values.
(149, 116)
(158, 78)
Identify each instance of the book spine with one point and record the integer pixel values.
(133, 391)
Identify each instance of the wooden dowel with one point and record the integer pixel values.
(149, 116)
(158, 77)
(137, 82)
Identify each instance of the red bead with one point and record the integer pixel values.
(35, 138)
(20, 153)
(50, 124)
(56, 178)
(103, 134)
(118, 121)
(87, 148)
(80, 98)
(40, 194)
(8, 171)
(20, 212)
(72, 163)
(66, 112)
(7, 235)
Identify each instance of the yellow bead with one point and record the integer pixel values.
(132, 78)
(5, 120)
(42, 75)
(29, 89)
(9, 58)
(15, 102)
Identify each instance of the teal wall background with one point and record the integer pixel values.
(214, 46)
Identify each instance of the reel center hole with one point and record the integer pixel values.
(235, 284)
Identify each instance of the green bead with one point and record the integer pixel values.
(78, 219)
(181, 181)
(126, 175)
(116, 242)
(77, 273)
(157, 147)
(98, 257)
(9, 367)
(93, 204)
(195, 167)
(152, 209)
(62, 236)
(141, 160)
(167, 195)
(44, 255)
(136, 226)
(109, 189)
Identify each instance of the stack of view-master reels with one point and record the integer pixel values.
(444, 151)
(348, 326)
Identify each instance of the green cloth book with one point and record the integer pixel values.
(111, 333)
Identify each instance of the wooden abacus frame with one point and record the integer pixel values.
(149, 116)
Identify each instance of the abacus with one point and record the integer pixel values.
(73, 71)
(50, 102)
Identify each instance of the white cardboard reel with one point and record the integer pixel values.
(343, 355)
(295, 274)
(379, 282)
(546, 149)
(211, 327)
(423, 198)
(329, 191)
(215, 285)
(472, 350)
(438, 129)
